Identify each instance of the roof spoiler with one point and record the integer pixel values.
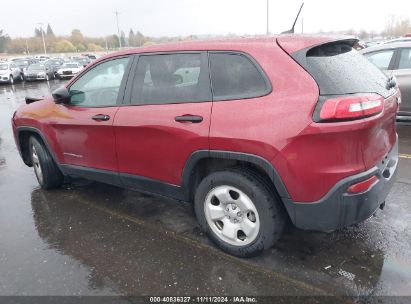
(291, 31)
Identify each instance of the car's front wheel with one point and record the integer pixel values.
(239, 212)
(48, 174)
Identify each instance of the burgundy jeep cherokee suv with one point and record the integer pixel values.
(253, 131)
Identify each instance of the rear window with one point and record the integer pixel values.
(235, 76)
(339, 69)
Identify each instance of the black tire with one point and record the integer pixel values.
(51, 174)
(271, 214)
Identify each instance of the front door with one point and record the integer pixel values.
(84, 127)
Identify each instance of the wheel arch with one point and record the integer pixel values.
(23, 135)
(203, 162)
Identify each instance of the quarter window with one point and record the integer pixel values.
(235, 76)
(381, 59)
(171, 78)
(100, 86)
(405, 59)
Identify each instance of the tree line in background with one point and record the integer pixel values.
(77, 42)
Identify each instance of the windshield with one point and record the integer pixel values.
(4, 67)
(36, 67)
(21, 62)
(70, 65)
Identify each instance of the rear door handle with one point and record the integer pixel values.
(189, 118)
(100, 117)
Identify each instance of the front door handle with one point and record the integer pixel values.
(189, 118)
(100, 117)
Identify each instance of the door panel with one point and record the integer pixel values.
(84, 141)
(404, 82)
(152, 144)
(155, 135)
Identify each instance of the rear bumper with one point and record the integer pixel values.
(339, 209)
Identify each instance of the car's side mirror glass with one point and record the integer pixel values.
(61, 95)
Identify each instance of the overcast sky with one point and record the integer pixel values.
(185, 17)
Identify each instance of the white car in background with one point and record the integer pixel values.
(68, 70)
(9, 72)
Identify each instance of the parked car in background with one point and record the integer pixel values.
(10, 72)
(255, 132)
(90, 56)
(395, 59)
(43, 58)
(54, 64)
(398, 40)
(22, 64)
(83, 61)
(39, 71)
(68, 70)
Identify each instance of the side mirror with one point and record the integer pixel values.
(61, 95)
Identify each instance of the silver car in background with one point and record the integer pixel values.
(9, 72)
(395, 59)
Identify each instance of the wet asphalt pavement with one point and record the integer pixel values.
(95, 239)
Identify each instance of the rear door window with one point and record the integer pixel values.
(405, 59)
(171, 78)
(381, 59)
(235, 76)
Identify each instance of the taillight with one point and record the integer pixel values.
(362, 186)
(350, 107)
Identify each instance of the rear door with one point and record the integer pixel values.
(167, 117)
(402, 72)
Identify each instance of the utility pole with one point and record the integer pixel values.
(42, 35)
(302, 25)
(27, 47)
(268, 17)
(118, 29)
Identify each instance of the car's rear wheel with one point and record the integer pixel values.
(239, 212)
(48, 174)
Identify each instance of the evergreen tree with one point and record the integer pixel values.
(131, 38)
(4, 40)
(37, 32)
(123, 39)
(49, 31)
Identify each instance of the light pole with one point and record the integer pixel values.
(42, 36)
(268, 16)
(118, 29)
